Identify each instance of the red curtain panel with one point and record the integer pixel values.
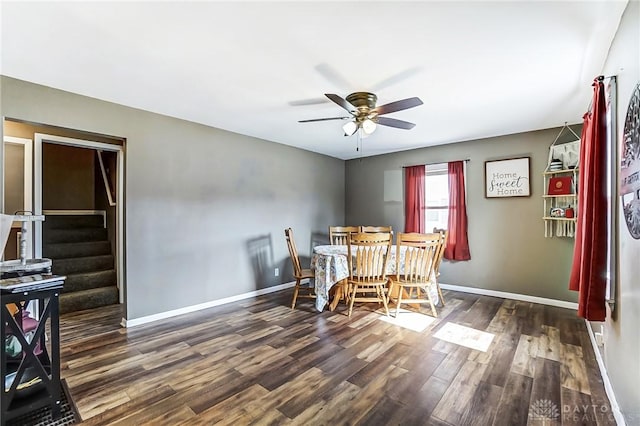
(457, 242)
(414, 199)
(588, 271)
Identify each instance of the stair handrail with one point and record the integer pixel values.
(107, 187)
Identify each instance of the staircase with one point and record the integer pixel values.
(79, 248)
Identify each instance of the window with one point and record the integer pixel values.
(436, 196)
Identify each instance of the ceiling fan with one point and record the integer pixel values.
(366, 115)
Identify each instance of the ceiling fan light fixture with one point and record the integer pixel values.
(369, 126)
(350, 128)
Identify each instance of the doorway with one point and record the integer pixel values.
(112, 184)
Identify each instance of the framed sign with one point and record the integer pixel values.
(507, 178)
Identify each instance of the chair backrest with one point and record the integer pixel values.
(376, 229)
(420, 254)
(367, 254)
(444, 234)
(293, 252)
(339, 235)
(442, 231)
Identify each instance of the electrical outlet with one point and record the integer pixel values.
(277, 272)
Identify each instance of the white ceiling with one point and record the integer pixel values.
(481, 68)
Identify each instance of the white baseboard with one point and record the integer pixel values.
(168, 314)
(615, 408)
(513, 296)
(187, 309)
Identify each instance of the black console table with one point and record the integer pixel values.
(30, 378)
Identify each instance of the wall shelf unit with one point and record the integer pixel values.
(560, 197)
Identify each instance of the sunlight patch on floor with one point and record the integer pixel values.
(465, 336)
(407, 319)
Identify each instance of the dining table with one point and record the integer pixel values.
(329, 262)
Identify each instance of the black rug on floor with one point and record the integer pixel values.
(42, 416)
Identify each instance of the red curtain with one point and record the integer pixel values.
(414, 199)
(590, 250)
(457, 242)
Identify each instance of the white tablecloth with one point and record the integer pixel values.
(330, 266)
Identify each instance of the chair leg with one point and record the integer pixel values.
(384, 300)
(295, 294)
(353, 298)
(440, 293)
(433, 307)
(345, 290)
(379, 294)
(399, 301)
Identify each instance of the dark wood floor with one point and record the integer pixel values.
(259, 362)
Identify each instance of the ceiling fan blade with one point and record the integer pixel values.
(397, 106)
(396, 78)
(341, 101)
(392, 122)
(310, 101)
(333, 76)
(323, 119)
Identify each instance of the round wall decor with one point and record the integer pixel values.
(630, 165)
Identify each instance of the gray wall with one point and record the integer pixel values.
(621, 335)
(195, 197)
(509, 252)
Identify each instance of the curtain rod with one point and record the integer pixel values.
(438, 162)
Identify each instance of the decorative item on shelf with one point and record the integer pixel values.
(560, 185)
(568, 212)
(555, 165)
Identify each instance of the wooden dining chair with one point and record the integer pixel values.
(444, 234)
(339, 235)
(416, 279)
(301, 289)
(367, 255)
(376, 229)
